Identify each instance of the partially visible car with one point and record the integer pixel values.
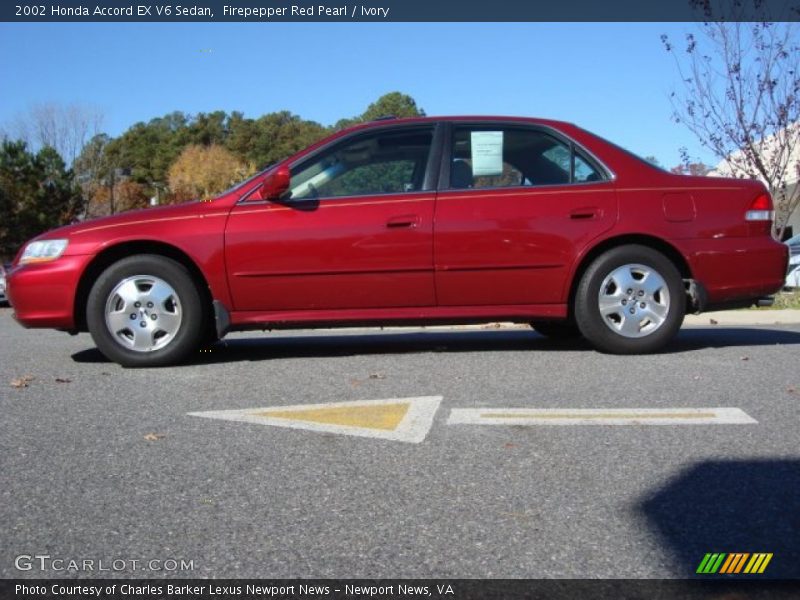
(793, 274)
(793, 270)
(3, 298)
(794, 245)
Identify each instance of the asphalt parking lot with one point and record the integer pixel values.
(103, 463)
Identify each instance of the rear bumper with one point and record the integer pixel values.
(43, 295)
(737, 270)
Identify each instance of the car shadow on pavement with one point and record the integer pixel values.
(278, 345)
(697, 338)
(730, 506)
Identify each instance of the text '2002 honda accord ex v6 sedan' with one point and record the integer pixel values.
(415, 221)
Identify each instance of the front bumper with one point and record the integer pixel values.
(43, 294)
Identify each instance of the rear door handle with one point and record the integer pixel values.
(588, 212)
(406, 221)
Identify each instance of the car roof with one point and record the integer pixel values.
(390, 120)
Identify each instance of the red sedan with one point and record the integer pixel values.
(415, 221)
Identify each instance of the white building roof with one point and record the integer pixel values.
(768, 146)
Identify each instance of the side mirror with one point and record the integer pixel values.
(276, 184)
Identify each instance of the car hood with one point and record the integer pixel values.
(142, 215)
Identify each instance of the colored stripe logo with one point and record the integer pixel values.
(734, 563)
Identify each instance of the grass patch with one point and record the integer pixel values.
(786, 299)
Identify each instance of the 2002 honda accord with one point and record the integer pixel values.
(415, 221)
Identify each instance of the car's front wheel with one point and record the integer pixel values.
(630, 300)
(146, 311)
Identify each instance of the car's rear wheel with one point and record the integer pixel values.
(557, 330)
(630, 300)
(146, 311)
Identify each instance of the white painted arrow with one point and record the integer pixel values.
(396, 419)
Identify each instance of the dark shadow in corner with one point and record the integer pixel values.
(731, 506)
(332, 343)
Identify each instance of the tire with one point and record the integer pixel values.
(630, 300)
(169, 316)
(557, 330)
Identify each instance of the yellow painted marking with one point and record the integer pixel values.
(383, 416)
(765, 563)
(631, 415)
(396, 419)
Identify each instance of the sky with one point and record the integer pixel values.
(612, 79)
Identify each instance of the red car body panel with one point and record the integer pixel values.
(358, 253)
(44, 294)
(446, 255)
(290, 319)
(196, 229)
(515, 246)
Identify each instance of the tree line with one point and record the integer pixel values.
(173, 158)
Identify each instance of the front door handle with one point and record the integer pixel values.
(406, 221)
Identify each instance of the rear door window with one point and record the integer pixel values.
(494, 157)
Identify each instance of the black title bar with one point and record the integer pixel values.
(409, 589)
(399, 11)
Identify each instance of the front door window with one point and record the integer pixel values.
(372, 164)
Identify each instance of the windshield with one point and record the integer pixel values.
(246, 181)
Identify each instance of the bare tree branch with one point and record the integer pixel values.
(66, 128)
(741, 98)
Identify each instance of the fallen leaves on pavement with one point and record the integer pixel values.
(154, 437)
(22, 382)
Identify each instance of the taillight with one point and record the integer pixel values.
(760, 209)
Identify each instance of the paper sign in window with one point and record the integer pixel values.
(487, 153)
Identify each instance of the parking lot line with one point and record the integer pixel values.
(599, 416)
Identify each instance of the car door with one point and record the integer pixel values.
(515, 205)
(355, 229)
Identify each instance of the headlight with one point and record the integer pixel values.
(43, 251)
